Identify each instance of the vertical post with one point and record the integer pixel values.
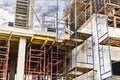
(48, 66)
(44, 62)
(75, 15)
(21, 59)
(76, 52)
(96, 59)
(65, 60)
(29, 62)
(65, 66)
(40, 65)
(7, 58)
(57, 39)
(51, 62)
(91, 7)
(85, 13)
(43, 22)
(115, 25)
(31, 15)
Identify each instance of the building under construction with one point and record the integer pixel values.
(88, 48)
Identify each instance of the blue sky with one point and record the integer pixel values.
(7, 10)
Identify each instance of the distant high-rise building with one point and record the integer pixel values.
(24, 14)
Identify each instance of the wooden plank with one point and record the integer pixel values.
(81, 6)
(70, 75)
(118, 12)
(82, 36)
(109, 8)
(71, 43)
(115, 22)
(83, 70)
(80, 69)
(111, 17)
(113, 41)
(114, 77)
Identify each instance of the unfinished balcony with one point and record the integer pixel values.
(80, 67)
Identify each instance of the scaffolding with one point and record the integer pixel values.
(4, 54)
(52, 64)
(41, 65)
(48, 23)
(77, 13)
(47, 61)
(35, 64)
(73, 24)
(82, 13)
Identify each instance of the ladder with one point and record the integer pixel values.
(89, 52)
(4, 54)
(100, 36)
(102, 33)
(35, 64)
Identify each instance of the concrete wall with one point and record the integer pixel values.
(82, 51)
(81, 57)
(31, 13)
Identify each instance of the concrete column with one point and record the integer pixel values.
(31, 15)
(96, 57)
(21, 59)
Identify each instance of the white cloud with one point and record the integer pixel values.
(7, 10)
(49, 7)
(1, 2)
(5, 16)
